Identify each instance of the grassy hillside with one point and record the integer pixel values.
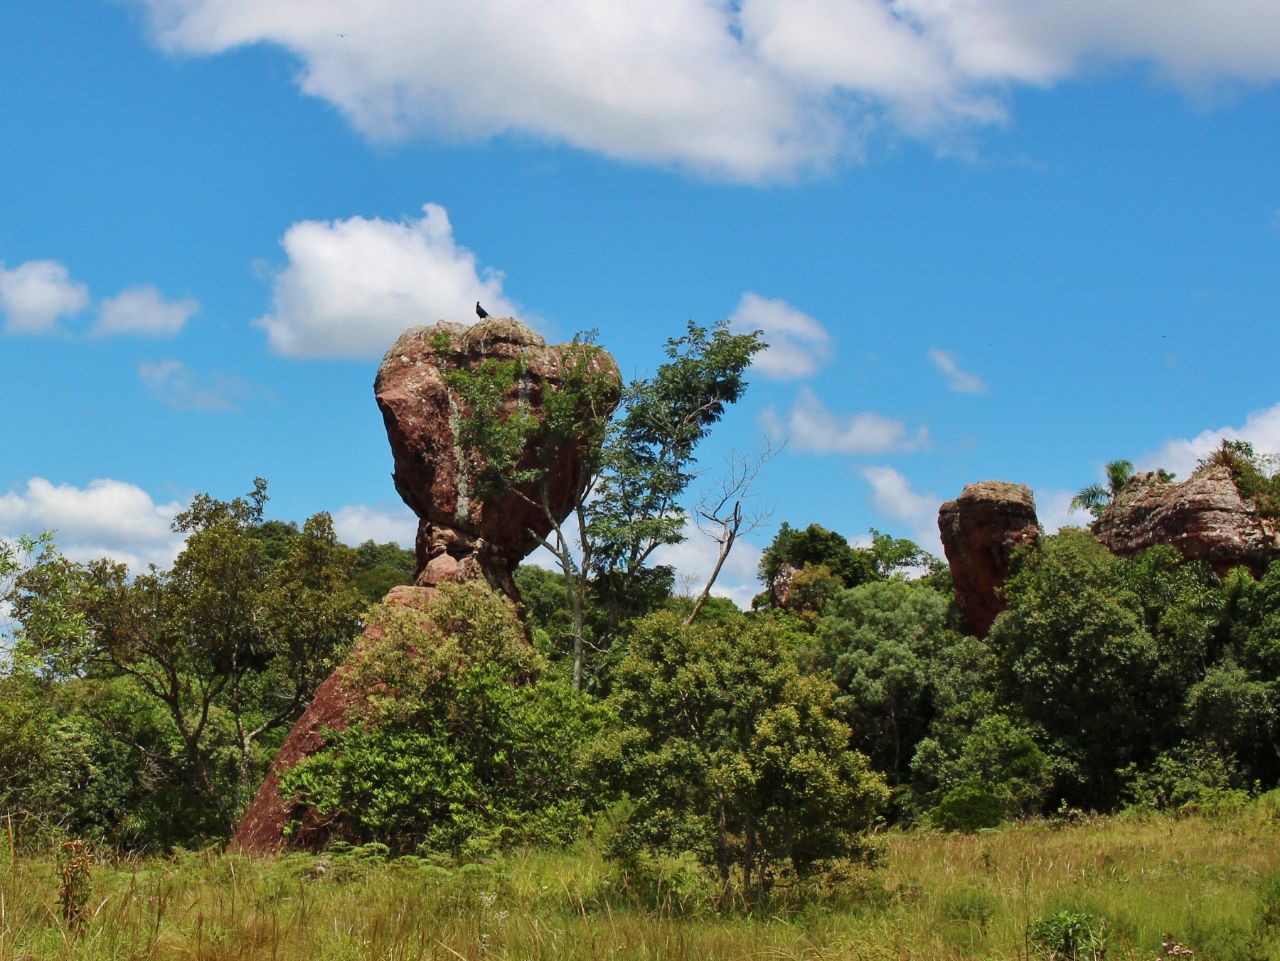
(1213, 883)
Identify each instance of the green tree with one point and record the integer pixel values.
(1076, 661)
(815, 545)
(880, 642)
(731, 753)
(1096, 497)
(231, 645)
(376, 568)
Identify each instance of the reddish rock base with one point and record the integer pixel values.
(262, 829)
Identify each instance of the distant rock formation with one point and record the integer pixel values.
(460, 534)
(1204, 517)
(980, 530)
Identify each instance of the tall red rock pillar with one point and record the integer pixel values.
(980, 530)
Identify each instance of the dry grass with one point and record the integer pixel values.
(1213, 883)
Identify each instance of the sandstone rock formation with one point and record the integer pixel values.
(460, 533)
(980, 530)
(1204, 517)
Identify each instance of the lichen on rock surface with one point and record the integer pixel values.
(980, 531)
(1204, 517)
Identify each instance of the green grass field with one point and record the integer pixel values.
(1213, 883)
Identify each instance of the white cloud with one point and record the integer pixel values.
(664, 81)
(1261, 429)
(175, 385)
(356, 523)
(106, 518)
(811, 427)
(352, 286)
(957, 379)
(798, 344)
(695, 557)
(35, 294)
(750, 90)
(1054, 512)
(143, 311)
(894, 497)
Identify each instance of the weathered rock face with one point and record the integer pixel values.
(459, 533)
(1204, 517)
(980, 530)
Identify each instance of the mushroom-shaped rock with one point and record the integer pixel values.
(1204, 517)
(461, 532)
(980, 531)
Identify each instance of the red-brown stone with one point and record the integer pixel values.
(459, 531)
(1204, 517)
(980, 531)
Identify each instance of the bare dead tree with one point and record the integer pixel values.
(723, 514)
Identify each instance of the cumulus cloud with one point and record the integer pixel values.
(1260, 428)
(798, 344)
(957, 380)
(174, 384)
(143, 311)
(351, 286)
(35, 294)
(106, 518)
(811, 427)
(695, 558)
(750, 90)
(356, 523)
(894, 497)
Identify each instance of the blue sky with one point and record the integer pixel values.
(989, 239)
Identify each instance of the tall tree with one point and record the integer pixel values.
(636, 469)
(730, 752)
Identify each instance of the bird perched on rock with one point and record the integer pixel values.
(480, 311)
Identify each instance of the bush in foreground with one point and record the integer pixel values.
(732, 757)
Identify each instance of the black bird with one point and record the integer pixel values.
(480, 311)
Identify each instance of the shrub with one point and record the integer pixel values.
(1069, 936)
(1189, 777)
(969, 807)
